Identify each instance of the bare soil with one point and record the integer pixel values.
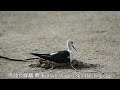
(96, 36)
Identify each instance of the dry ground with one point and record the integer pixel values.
(96, 36)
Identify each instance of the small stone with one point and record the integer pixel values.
(89, 58)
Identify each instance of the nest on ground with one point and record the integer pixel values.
(75, 63)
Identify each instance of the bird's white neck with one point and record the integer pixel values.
(69, 46)
(71, 56)
(70, 50)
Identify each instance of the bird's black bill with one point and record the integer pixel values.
(74, 47)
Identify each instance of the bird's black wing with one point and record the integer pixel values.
(36, 54)
(60, 56)
(40, 55)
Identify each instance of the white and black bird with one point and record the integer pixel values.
(64, 56)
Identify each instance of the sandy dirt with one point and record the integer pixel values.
(96, 36)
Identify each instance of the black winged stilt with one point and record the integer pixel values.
(64, 56)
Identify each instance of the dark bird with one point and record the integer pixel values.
(64, 56)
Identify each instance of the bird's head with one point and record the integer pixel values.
(70, 45)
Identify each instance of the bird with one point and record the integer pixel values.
(64, 56)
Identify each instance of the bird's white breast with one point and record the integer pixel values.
(52, 53)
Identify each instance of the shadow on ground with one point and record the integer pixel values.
(75, 63)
